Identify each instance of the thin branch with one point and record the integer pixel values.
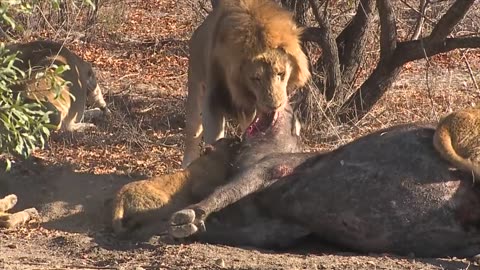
(470, 71)
(417, 49)
(421, 11)
(451, 18)
(6, 36)
(421, 18)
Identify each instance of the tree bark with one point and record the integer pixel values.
(329, 61)
(408, 51)
(421, 19)
(384, 74)
(299, 9)
(451, 18)
(352, 41)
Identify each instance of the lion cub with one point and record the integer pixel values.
(457, 139)
(139, 203)
(11, 220)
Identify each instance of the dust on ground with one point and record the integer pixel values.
(141, 65)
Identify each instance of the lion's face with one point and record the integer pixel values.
(267, 76)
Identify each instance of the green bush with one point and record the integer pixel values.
(24, 126)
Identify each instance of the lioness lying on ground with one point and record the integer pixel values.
(11, 220)
(243, 58)
(387, 192)
(142, 205)
(457, 139)
(82, 90)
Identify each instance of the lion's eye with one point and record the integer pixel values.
(281, 75)
(255, 78)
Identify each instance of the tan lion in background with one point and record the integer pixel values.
(244, 58)
(12, 220)
(70, 107)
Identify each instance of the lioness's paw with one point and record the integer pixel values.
(185, 223)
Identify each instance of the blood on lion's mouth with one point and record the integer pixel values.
(262, 123)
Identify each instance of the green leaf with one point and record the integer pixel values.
(9, 164)
(62, 68)
(8, 20)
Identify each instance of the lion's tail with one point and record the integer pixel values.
(117, 215)
(443, 144)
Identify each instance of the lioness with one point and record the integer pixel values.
(457, 139)
(139, 203)
(83, 86)
(8, 220)
(243, 59)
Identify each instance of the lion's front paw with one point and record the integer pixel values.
(186, 222)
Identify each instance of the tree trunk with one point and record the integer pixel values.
(329, 61)
(352, 41)
(394, 55)
(299, 9)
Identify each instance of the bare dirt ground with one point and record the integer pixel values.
(141, 64)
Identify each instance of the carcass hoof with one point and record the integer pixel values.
(184, 223)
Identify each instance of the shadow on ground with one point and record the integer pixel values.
(66, 200)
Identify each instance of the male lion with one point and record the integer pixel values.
(243, 59)
(139, 204)
(457, 139)
(38, 56)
